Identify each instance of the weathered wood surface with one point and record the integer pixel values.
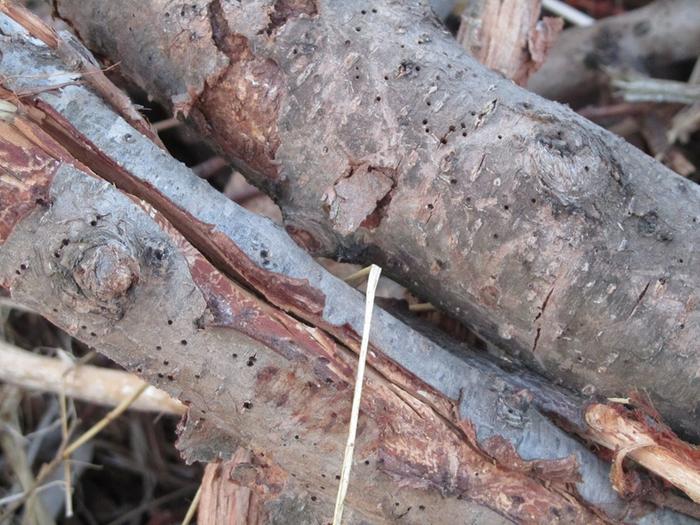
(118, 274)
(650, 40)
(382, 140)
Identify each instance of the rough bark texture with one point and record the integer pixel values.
(648, 39)
(434, 446)
(549, 236)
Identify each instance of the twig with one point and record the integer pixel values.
(89, 383)
(193, 507)
(102, 423)
(657, 90)
(421, 307)
(66, 463)
(356, 278)
(374, 273)
(568, 13)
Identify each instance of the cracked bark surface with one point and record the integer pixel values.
(176, 307)
(547, 235)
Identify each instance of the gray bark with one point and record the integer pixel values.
(383, 141)
(128, 275)
(648, 40)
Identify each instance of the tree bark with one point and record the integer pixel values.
(649, 39)
(130, 272)
(382, 140)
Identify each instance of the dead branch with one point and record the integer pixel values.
(132, 274)
(633, 40)
(548, 236)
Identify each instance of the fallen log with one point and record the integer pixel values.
(383, 141)
(648, 39)
(132, 274)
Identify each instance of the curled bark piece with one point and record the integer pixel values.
(240, 361)
(646, 39)
(549, 236)
(649, 444)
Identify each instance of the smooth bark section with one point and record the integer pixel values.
(648, 39)
(213, 336)
(383, 141)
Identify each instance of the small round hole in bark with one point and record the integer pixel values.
(197, 376)
(495, 236)
(65, 242)
(500, 137)
(93, 334)
(464, 133)
(452, 128)
(337, 476)
(363, 12)
(183, 342)
(57, 255)
(462, 125)
(430, 206)
(533, 200)
(170, 321)
(367, 462)
(374, 10)
(506, 207)
(296, 437)
(427, 130)
(18, 272)
(472, 113)
(358, 29)
(680, 261)
(247, 405)
(313, 498)
(357, 77)
(417, 67)
(586, 168)
(443, 140)
(171, 377)
(166, 362)
(161, 375)
(428, 103)
(378, 99)
(263, 253)
(421, 507)
(681, 326)
(294, 51)
(93, 222)
(386, 77)
(159, 348)
(54, 310)
(347, 42)
(453, 181)
(425, 121)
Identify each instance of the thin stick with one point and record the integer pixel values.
(193, 507)
(568, 13)
(374, 273)
(358, 276)
(102, 423)
(421, 307)
(66, 464)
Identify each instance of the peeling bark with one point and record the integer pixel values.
(648, 39)
(534, 227)
(239, 360)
